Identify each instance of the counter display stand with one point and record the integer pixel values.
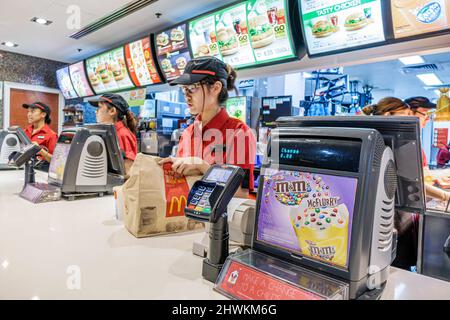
(252, 275)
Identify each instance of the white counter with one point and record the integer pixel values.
(77, 250)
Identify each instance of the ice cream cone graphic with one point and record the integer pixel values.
(323, 233)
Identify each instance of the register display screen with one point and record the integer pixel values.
(341, 155)
(219, 175)
(308, 214)
(59, 157)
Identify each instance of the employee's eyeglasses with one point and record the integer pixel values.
(191, 88)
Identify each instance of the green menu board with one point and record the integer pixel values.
(249, 33)
(108, 72)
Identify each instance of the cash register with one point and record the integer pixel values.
(207, 202)
(87, 161)
(12, 140)
(324, 226)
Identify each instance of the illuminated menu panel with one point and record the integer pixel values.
(335, 25)
(411, 18)
(249, 33)
(79, 80)
(64, 83)
(140, 63)
(173, 51)
(108, 72)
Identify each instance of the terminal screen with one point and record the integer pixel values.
(58, 163)
(219, 175)
(307, 214)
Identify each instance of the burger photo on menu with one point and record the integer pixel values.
(117, 71)
(93, 78)
(323, 28)
(260, 30)
(162, 40)
(228, 43)
(178, 38)
(181, 63)
(167, 67)
(103, 71)
(356, 21)
(203, 50)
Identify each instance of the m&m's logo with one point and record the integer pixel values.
(430, 13)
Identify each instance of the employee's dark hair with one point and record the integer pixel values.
(388, 104)
(128, 118)
(47, 119)
(227, 85)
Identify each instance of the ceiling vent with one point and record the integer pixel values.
(112, 17)
(422, 68)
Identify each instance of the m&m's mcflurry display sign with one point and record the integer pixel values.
(308, 214)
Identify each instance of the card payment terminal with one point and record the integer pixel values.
(207, 202)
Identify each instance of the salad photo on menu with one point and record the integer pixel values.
(336, 25)
(269, 30)
(233, 37)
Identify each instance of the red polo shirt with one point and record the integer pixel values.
(127, 141)
(224, 140)
(45, 137)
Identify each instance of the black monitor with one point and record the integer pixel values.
(23, 138)
(115, 156)
(402, 134)
(274, 107)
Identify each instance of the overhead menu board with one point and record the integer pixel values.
(64, 83)
(335, 25)
(108, 72)
(79, 80)
(140, 63)
(173, 51)
(249, 33)
(411, 18)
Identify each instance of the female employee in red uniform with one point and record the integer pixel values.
(214, 137)
(39, 131)
(113, 109)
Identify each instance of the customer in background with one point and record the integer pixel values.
(113, 109)
(407, 224)
(39, 130)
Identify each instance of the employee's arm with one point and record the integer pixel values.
(436, 193)
(187, 166)
(46, 155)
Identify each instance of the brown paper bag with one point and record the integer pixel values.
(155, 200)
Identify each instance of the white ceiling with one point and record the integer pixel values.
(53, 42)
(388, 79)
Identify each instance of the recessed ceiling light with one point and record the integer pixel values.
(9, 44)
(412, 60)
(430, 79)
(41, 21)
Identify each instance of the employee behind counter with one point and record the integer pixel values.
(113, 109)
(214, 137)
(39, 130)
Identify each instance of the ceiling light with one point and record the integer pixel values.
(5, 264)
(307, 75)
(41, 21)
(430, 79)
(412, 60)
(9, 44)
